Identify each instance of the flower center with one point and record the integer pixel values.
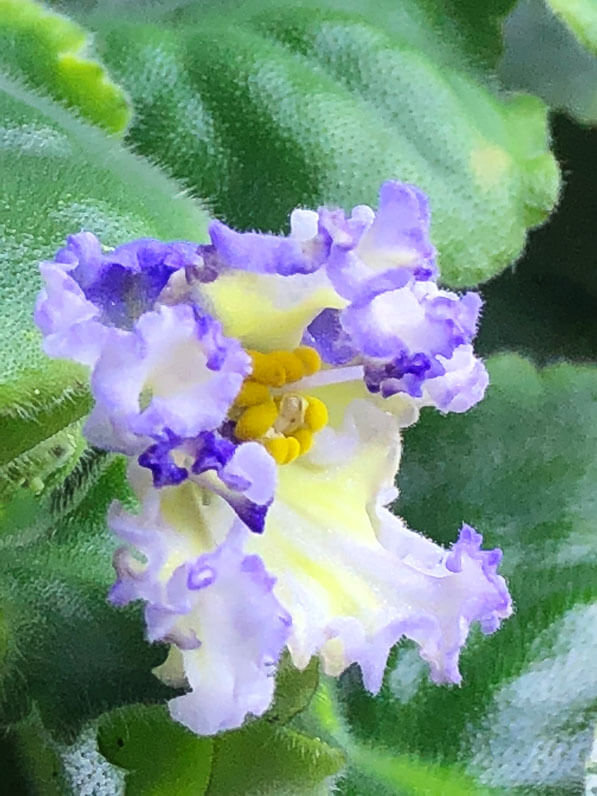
(269, 408)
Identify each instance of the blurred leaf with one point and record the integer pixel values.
(61, 643)
(581, 18)
(545, 306)
(378, 770)
(260, 112)
(162, 757)
(60, 176)
(30, 761)
(48, 49)
(543, 56)
(522, 468)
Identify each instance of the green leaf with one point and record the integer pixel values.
(581, 18)
(60, 175)
(379, 771)
(49, 50)
(262, 760)
(162, 758)
(542, 55)
(521, 467)
(62, 644)
(294, 689)
(261, 112)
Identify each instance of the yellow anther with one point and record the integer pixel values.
(293, 365)
(267, 369)
(283, 449)
(256, 420)
(310, 359)
(294, 449)
(278, 448)
(304, 437)
(252, 393)
(316, 414)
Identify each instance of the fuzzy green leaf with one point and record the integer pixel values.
(60, 175)
(62, 645)
(264, 110)
(162, 758)
(49, 51)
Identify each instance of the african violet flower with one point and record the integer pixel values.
(259, 384)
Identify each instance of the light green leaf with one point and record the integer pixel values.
(262, 760)
(375, 770)
(61, 175)
(581, 18)
(49, 50)
(62, 644)
(543, 56)
(522, 468)
(162, 758)
(261, 112)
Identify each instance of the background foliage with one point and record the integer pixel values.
(131, 119)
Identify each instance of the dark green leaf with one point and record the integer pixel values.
(294, 689)
(63, 645)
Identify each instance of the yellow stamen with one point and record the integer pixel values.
(310, 359)
(304, 437)
(278, 448)
(294, 449)
(256, 420)
(267, 369)
(316, 414)
(252, 393)
(293, 365)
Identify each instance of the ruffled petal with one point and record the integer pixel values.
(174, 371)
(232, 631)
(206, 597)
(369, 244)
(89, 290)
(350, 574)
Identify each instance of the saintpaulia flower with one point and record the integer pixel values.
(259, 384)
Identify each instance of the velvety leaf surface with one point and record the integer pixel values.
(61, 643)
(163, 758)
(262, 760)
(287, 105)
(522, 468)
(60, 175)
(49, 51)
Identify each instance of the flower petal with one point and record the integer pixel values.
(176, 361)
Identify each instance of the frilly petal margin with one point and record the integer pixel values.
(354, 579)
(229, 630)
(216, 608)
(89, 290)
(175, 370)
